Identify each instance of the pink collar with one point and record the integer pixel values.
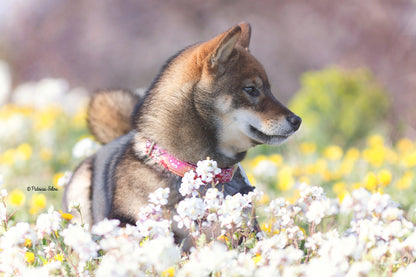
(179, 167)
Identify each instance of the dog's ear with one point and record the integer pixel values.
(224, 48)
(244, 40)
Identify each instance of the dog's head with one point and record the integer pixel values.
(245, 109)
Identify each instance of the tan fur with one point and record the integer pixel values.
(80, 192)
(196, 108)
(109, 114)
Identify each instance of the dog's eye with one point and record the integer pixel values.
(252, 91)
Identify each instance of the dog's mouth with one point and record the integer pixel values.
(267, 139)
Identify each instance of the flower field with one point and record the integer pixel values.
(323, 211)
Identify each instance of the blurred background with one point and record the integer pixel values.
(122, 44)
(349, 70)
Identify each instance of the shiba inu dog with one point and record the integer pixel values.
(211, 99)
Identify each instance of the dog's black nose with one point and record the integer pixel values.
(295, 121)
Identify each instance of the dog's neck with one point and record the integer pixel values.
(176, 166)
(182, 132)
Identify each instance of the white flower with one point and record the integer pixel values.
(284, 257)
(267, 245)
(5, 82)
(188, 210)
(3, 213)
(47, 223)
(231, 212)
(50, 250)
(378, 202)
(207, 170)
(211, 258)
(294, 233)
(122, 257)
(317, 210)
(64, 180)
(17, 235)
(84, 148)
(213, 199)
(81, 241)
(51, 90)
(105, 227)
(3, 192)
(408, 271)
(311, 193)
(265, 169)
(159, 254)
(154, 228)
(190, 184)
(73, 205)
(160, 196)
(391, 214)
(313, 242)
(149, 211)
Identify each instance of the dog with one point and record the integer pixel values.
(212, 99)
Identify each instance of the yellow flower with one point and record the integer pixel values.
(409, 159)
(340, 190)
(29, 257)
(38, 202)
(375, 156)
(17, 197)
(80, 118)
(347, 166)
(285, 179)
(256, 259)
(66, 216)
(333, 152)
(339, 187)
(45, 118)
(46, 154)
(251, 178)
(352, 154)
(58, 257)
(405, 181)
(375, 141)
(370, 181)
(28, 243)
(169, 272)
(327, 175)
(307, 148)
(276, 159)
(304, 179)
(405, 145)
(10, 110)
(257, 160)
(264, 200)
(223, 238)
(56, 178)
(267, 228)
(356, 186)
(384, 177)
(321, 166)
(8, 157)
(24, 152)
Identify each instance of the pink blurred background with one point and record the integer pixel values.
(123, 44)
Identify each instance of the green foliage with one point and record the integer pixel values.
(340, 106)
